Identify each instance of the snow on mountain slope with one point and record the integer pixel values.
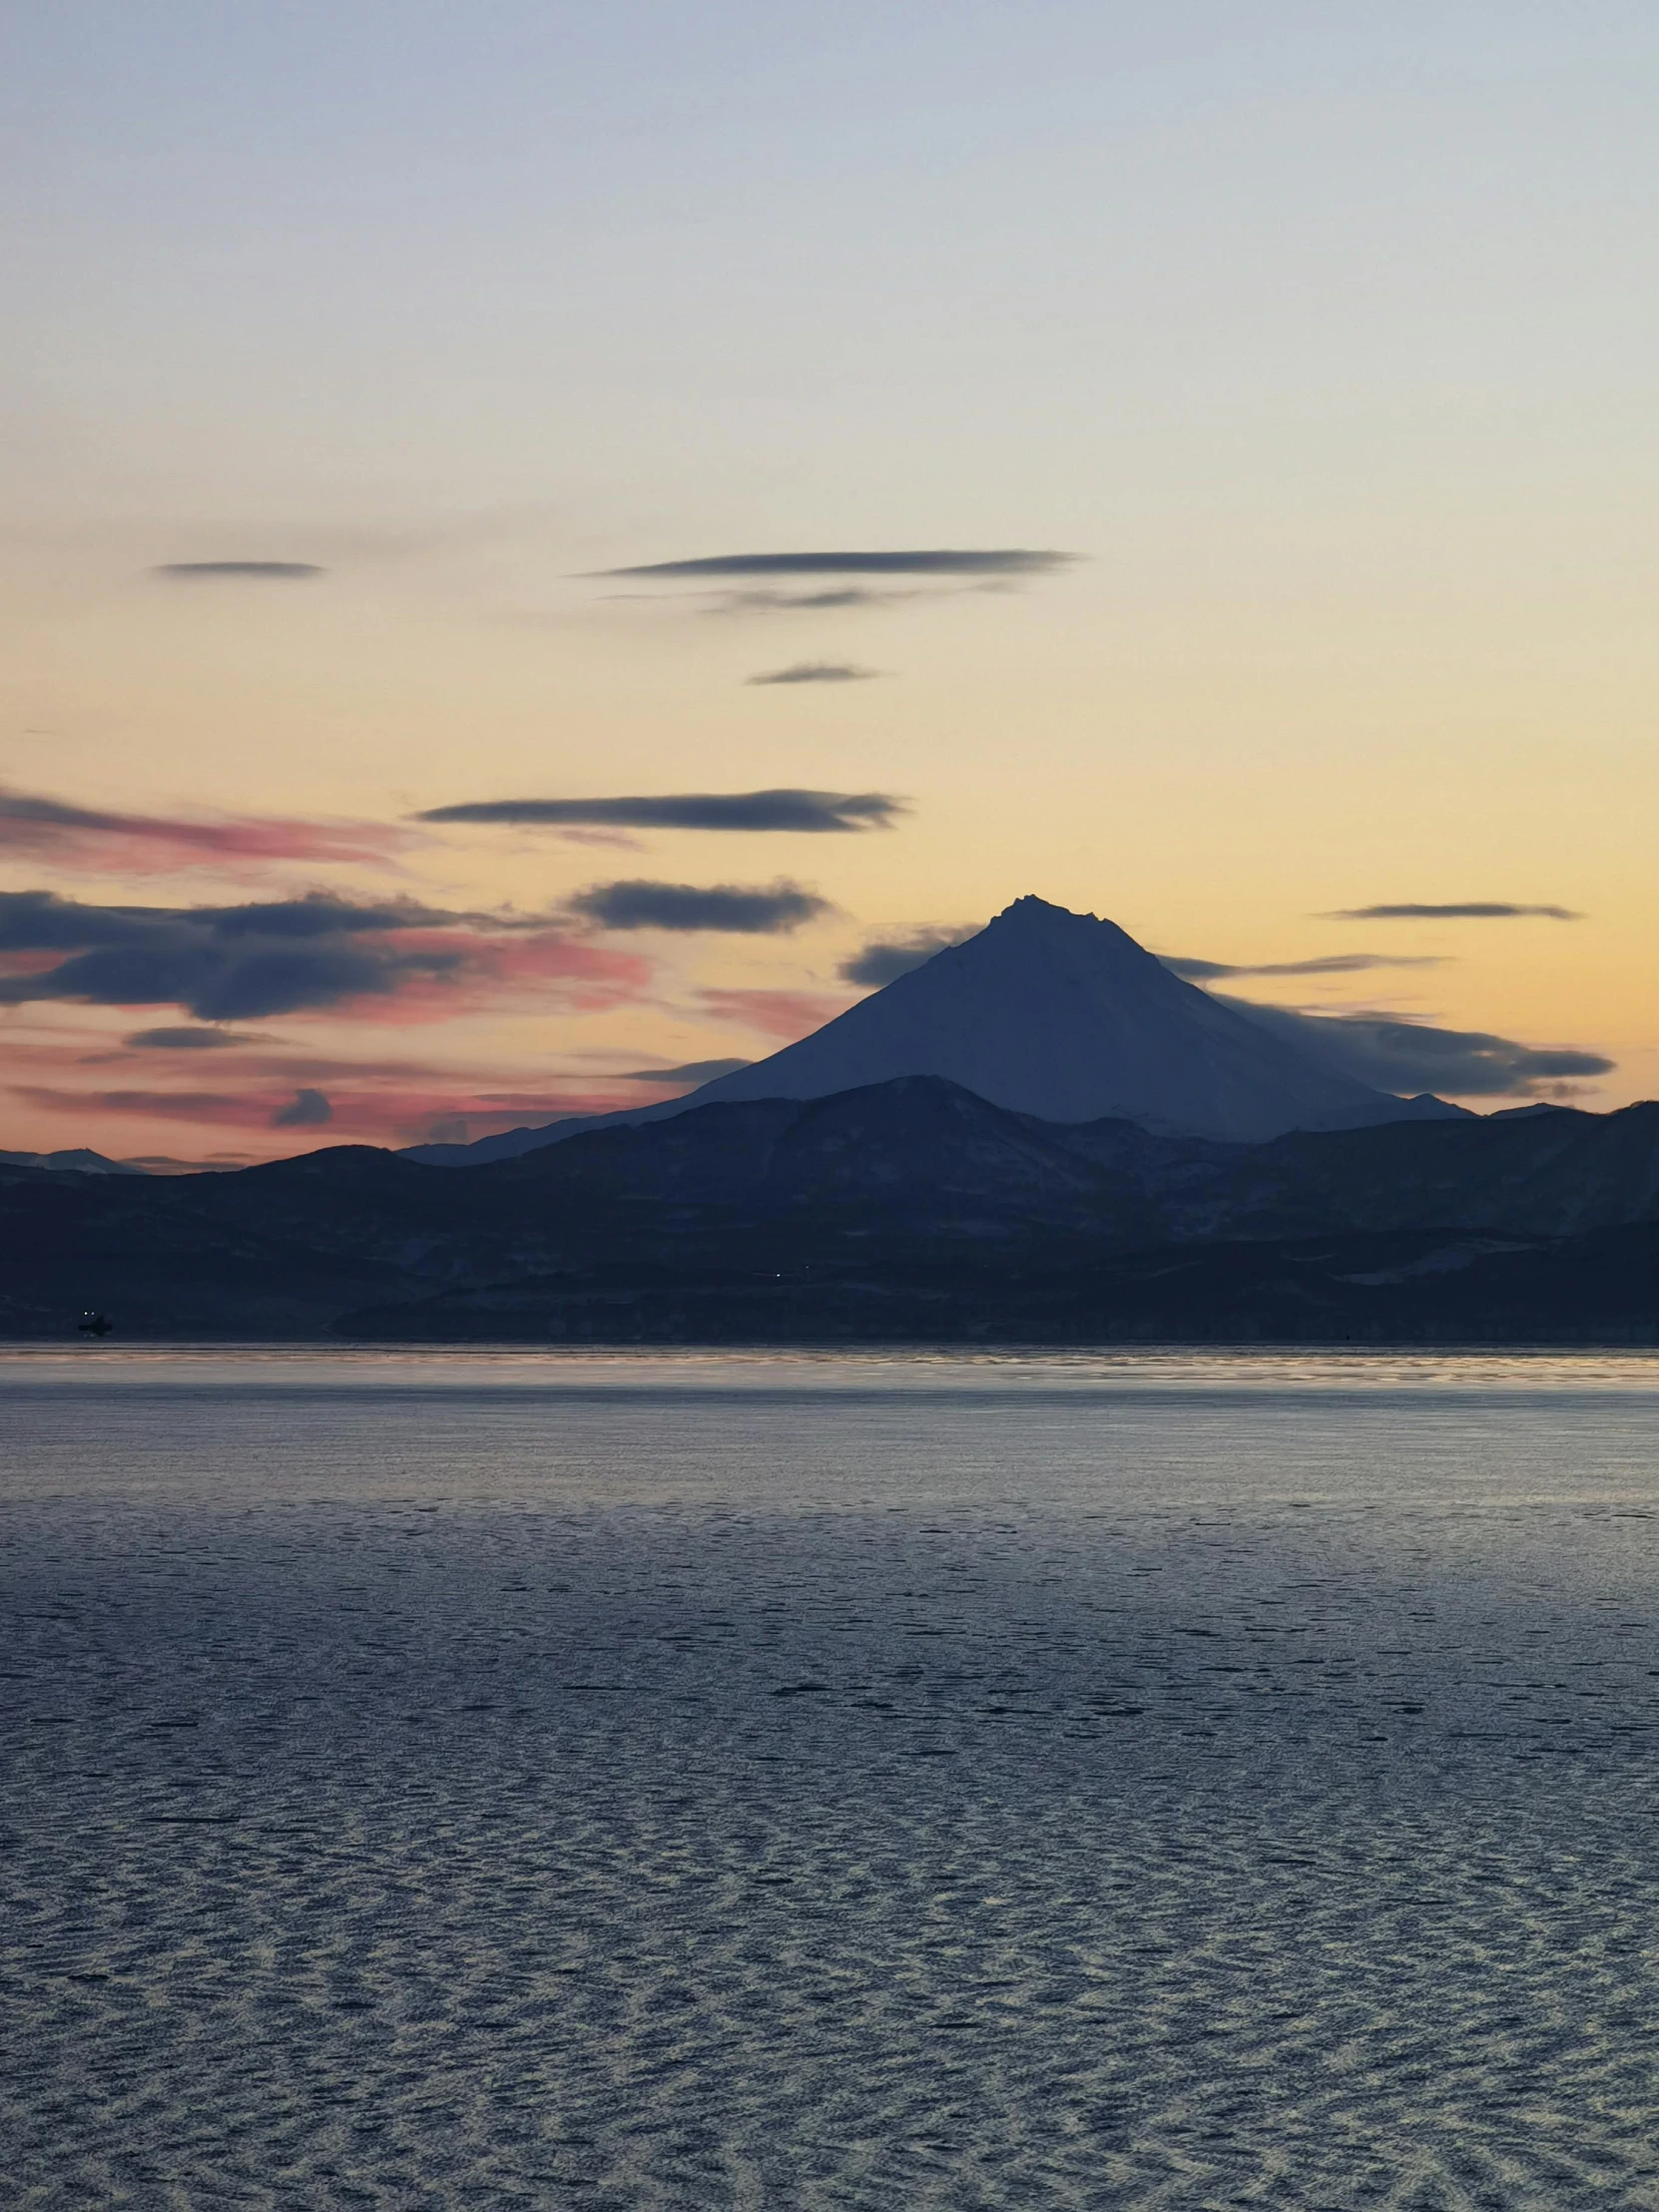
(1050, 1013)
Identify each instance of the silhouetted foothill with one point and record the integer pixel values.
(904, 1211)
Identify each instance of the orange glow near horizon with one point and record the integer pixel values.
(1319, 355)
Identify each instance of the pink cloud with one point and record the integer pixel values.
(362, 1109)
(75, 1087)
(94, 838)
(391, 1101)
(786, 1014)
(602, 837)
(28, 963)
(546, 956)
(566, 973)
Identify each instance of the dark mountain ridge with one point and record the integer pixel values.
(921, 1201)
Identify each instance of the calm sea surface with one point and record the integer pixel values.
(640, 1782)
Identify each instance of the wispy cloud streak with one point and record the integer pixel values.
(807, 812)
(269, 572)
(1329, 963)
(928, 561)
(786, 1014)
(105, 840)
(684, 1077)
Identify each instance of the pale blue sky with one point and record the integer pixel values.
(918, 259)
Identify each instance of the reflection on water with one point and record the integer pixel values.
(679, 1780)
(332, 1366)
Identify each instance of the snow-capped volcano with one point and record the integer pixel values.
(1050, 1013)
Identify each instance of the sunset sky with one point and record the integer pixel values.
(418, 407)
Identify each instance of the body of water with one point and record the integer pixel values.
(653, 1783)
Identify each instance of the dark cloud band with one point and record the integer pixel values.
(733, 908)
(1409, 1057)
(168, 1039)
(41, 922)
(884, 959)
(1465, 910)
(931, 561)
(222, 963)
(780, 809)
(817, 672)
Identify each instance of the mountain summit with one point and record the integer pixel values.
(1050, 1013)
(1066, 1017)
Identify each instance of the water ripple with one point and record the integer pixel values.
(828, 1795)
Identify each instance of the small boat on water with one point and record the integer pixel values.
(95, 1324)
